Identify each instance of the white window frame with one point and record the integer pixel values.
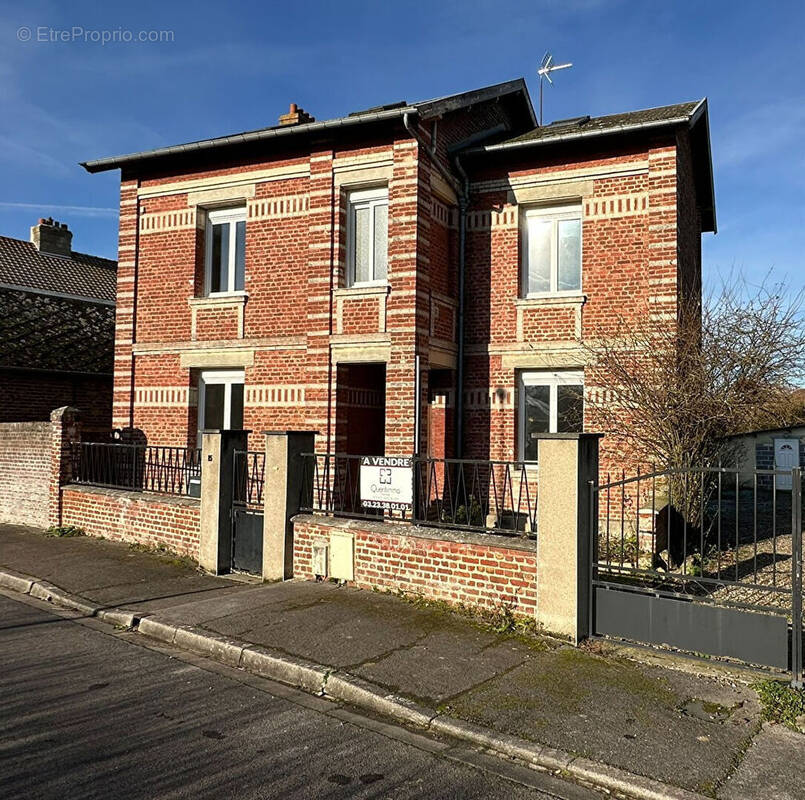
(553, 380)
(226, 377)
(233, 216)
(372, 199)
(554, 214)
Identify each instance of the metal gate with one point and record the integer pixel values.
(707, 561)
(248, 473)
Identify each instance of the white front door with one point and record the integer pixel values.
(786, 456)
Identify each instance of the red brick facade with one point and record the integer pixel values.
(149, 519)
(478, 571)
(300, 334)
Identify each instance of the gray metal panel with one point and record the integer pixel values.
(247, 545)
(696, 627)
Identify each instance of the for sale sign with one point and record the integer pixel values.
(387, 482)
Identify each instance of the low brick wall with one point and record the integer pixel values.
(482, 570)
(25, 472)
(141, 517)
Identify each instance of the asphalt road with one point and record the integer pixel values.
(86, 712)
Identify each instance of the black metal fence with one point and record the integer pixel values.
(476, 495)
(248, 474)
(712, 532)
(716, 536)
(136, 467)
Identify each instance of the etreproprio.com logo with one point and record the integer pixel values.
(78, 34)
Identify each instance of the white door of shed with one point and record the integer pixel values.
(786, 456)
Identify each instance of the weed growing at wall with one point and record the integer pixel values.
(64, 531)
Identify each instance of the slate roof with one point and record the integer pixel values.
(424, 108)
(612, 123)
(43, 332)
(21, 264)
(692, 115)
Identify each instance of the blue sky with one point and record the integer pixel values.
(235, 66)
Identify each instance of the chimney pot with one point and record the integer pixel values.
(295, 116)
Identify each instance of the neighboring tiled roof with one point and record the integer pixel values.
(21, 264)
(38, 331)
(611, 123)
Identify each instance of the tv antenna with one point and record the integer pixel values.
(546, 67)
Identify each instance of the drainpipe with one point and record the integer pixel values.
(462, 192)
(463, 202)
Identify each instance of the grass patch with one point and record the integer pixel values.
(502, 620)
(780, 702)
(64, 531)
(164, 554)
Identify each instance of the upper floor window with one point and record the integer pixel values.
(367, 236)
(225, 251)
(549, 402)
(552, 250)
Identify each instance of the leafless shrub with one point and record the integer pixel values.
(671, 392)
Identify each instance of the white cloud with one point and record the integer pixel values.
(764, 130)
(80, 211)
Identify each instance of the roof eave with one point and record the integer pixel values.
(697, 115)
(117, 162)
(575, 136)
(701, 113)
(438, 106)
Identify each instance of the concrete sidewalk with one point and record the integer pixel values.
(700, 733)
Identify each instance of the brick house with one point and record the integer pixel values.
(413, 276)
(57, 328)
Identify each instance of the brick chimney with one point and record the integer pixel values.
(52, 237)
(295, 116)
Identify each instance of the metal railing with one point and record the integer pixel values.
(469, 494)
(248, 474)
(715, 534)
(136, 467)
(499, 496)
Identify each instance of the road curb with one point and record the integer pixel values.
(342, 686)
(294, 671)
(349, 689)
(16, 581)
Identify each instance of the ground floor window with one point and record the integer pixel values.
(220, 399)
(549, 402)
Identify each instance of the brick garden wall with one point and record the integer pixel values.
(31, 396)
(479, 570)
(25, 470)
(138, 517)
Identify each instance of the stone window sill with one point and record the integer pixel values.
(370, 290)
(233, 299)
(551, 300)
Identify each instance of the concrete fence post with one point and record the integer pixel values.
(65, 432)
(281, 498)
(567, 462)
(215, 530)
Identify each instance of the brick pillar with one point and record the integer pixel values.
(65, 431)
(567, 462)
(281, 498)
(323, 275)
(215, 534)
